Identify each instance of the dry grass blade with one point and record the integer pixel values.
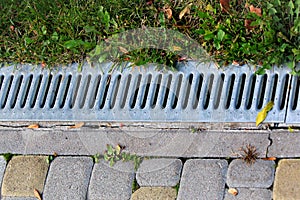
(250, 154)
(37, 194)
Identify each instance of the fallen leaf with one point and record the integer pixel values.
(247, 24)
(55, 154)
(177, 48)
(270, 158)
(233, 191)
(77, 125)
(290, 129)
(255, 10)
(123, 50)
(37, 194)
(236, 63)
(261, 116)
(34, 126)
(168, 12)
(225, 5)
(186, 10)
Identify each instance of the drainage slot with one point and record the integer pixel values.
(156, 91)
(284, 90)
(188, 90)
(250, 93)
(115, 91)
(125, 91)
(26, 91)
(94, 91)
(178, 86)
(55, 91)
(1, 81)
(65, 91)
(36, 90)
(208, 89)
(75, 91)
(274, 87)
(146, 92)
(166, 92)
(107, 84)
(296, 94)
(261, 91)
(6, 91)
(133, 98)
(198, 90)
(230, 90)
(240, 90)
(45, 92)
(219, 91)
(16, 91)
(85, 88)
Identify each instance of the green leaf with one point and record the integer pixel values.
(54, 36)
(220, 35)
(110, 149)
(111, 162)
(103, 57)
(44, 30)
(28, 40)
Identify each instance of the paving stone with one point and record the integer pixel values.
(2, 169)
(23, 174)
(287, 180)
(159, 172)
(283, 144)
(154, 193)
(203, 179)
(250, 193)
(19, 198)
(111, 182)
(258, 175)
(12, 142)
(68, 178)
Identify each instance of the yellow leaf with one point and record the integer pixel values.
(37, 194)
(209, 8)
(290, 129)
(186, 10)
(233, 191)
(261, 116)
(77, 125)
(34, 126)
(177, 48)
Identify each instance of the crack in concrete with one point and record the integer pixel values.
(270, 144)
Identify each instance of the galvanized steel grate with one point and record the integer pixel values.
(194, 93)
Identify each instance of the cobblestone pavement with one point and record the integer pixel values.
(164, 161)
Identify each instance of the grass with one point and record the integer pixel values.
(60, 32)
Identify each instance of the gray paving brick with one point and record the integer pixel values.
(19, 198)
(283, 144)
(250, 193)
(258, 175)
(203, 179)
(2, 169)
(12, 142)
(68, 178)
(159, 172)
(111, 182)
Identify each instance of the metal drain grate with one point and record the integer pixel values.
(194, 93)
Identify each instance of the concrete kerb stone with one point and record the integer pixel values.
(250, 193)
(111, 182)
(287, 180)
(159, 172)
(23, 174)
(68, 178)
(203, 179)
(283, 144)
(258, 175)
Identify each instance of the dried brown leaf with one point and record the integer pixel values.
(77, 125)
(270, 158)
(233, 191)
(37, 194)
(255, 10)
(186, 10)
(123, 50)
(247, 24)
(168, 12)
(34, 126)
(225, 6)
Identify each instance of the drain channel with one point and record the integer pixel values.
(194, 93)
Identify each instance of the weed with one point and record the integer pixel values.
(112, 155)
(7, 156)
(135, 186)
(249, 154)
(96, 158)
